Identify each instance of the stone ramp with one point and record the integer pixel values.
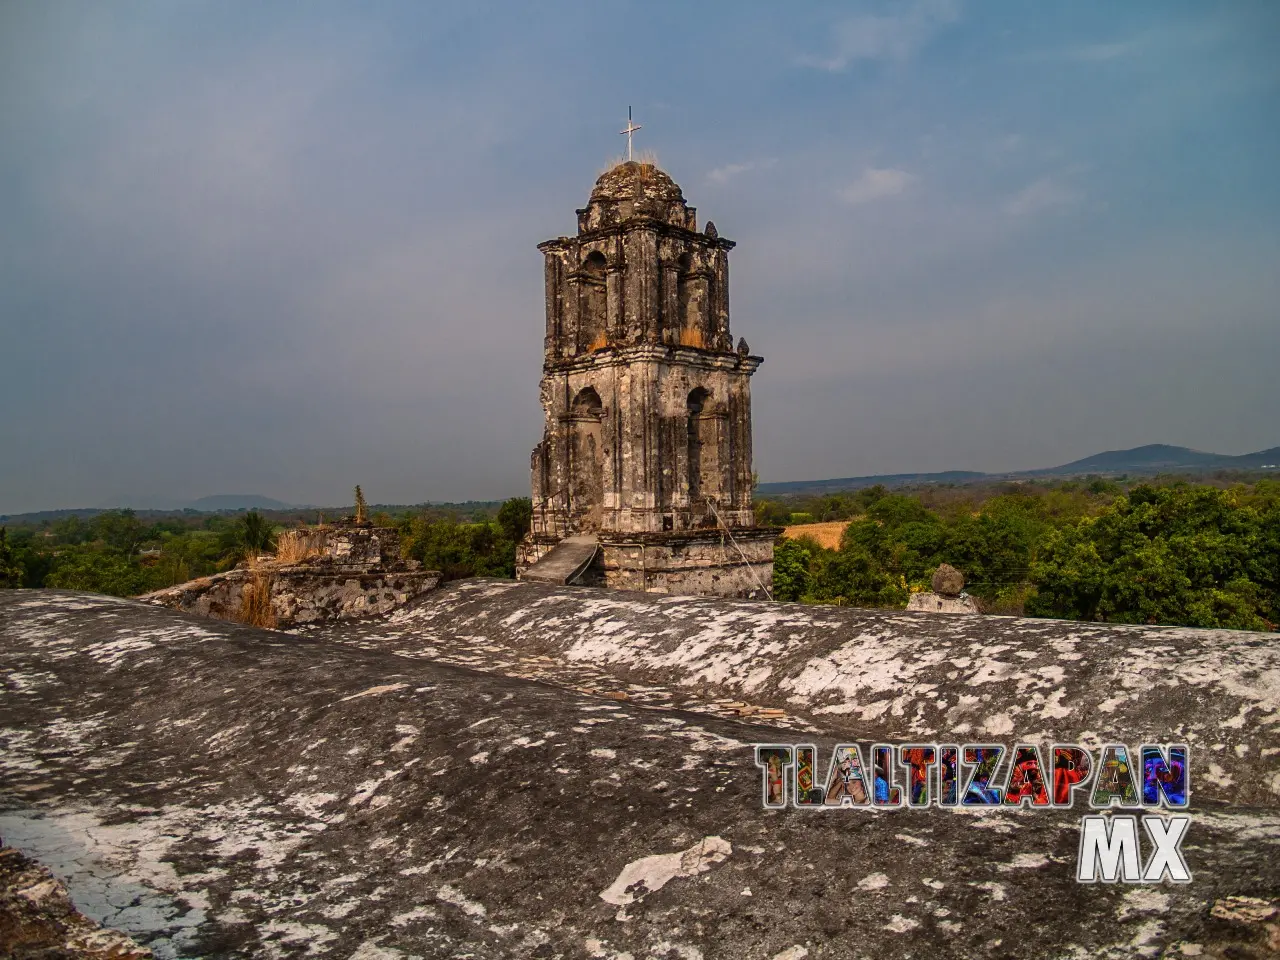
(567, 561)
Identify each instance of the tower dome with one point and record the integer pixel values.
(635, 189)
(634, 180)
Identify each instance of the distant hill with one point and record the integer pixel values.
(145, 505)
(812, 487)
(1153, 458)
(236, 501)
(1149, 460)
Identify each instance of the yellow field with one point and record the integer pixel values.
(827, 534)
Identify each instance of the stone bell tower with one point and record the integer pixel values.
(643, 476)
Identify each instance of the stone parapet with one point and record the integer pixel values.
(702, 562)
(927, 602)
(303, 594)
(356, 571)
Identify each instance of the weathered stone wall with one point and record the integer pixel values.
(362, 544)
(705, 563)
(929, 602)
(303, 594)
(358, 573)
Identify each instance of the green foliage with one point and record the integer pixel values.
(12, 571)
(459, 549)
(771, 513)
(515, 518)
(186, 556)
(1174, 554)
(854, 576)
(119, 530)
(70, 530)
(791, 560)
(249, 535)
(99, 570)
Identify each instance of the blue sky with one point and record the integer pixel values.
(284, 248)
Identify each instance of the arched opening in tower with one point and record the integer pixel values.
(594, 324)
(698, 398)
(691, 294)
(586, 469)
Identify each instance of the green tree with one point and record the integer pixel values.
(98, 571)
(852, 576)
(791, 560)
(70, 530)
(119, 530)
(248, 535)
(12, 572)
(994, 550)
(771, 513)
(1174, 554)
(515, 517)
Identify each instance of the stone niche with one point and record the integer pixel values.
(353, 570)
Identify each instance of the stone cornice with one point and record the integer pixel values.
(683, 537)
(633, 224)
(655, 353)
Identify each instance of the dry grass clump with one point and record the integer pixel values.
(298, 546)
(647, 159)
(824, 534)
(255, 602)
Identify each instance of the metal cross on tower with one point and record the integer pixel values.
(631, 128)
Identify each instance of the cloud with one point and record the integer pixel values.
(894, 37)
(876, 183)
(730, 170)
(1040, 196)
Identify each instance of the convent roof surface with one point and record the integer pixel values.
(220, 790)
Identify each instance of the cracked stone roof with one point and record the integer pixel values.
(218, 790)
(634, 180)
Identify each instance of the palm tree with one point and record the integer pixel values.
(254, 534)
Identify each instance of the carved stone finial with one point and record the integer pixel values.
(743, 349)
(947, 581)
(711, 230)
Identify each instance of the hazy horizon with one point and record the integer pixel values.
(283, 249)
(162, 502)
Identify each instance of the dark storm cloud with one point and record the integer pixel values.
(283, 249)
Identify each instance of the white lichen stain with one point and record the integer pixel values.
(644, 876)
(451, 895)
(996, 890)
(376, 691)
(873, 881)
(900, 924)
